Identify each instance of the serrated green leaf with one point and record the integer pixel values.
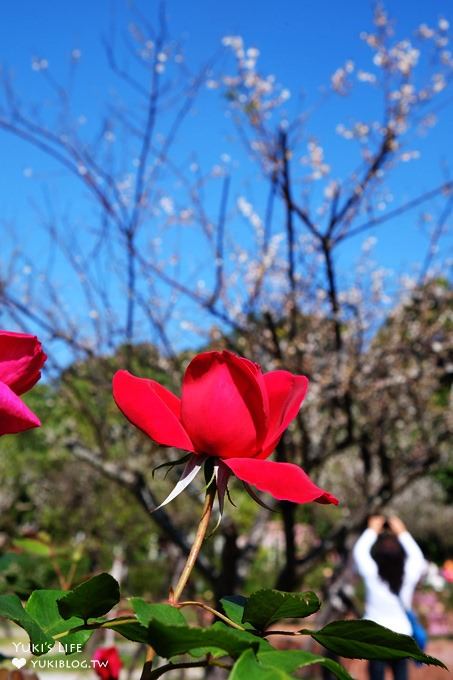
(165, 613)
(11, 608)
(42, 607)
(267, 606)
(368, 640)
(90, 599)
(169, 641)
(234, 606)
(131, 631)
(248, 667)
(290, 660)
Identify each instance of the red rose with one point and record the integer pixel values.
(229, 410)
(107, 663)
(21, 360)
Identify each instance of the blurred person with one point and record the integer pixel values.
(391, 564)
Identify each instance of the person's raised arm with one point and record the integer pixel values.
(415, 561)
(361, 552)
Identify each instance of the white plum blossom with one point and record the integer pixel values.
(315, 159)
(39, 64)
(167, 205)
(424, 31)
(410, 155)
(340, 79)
(255, 94)
(246, 209)
(331, 189)
(366, 76)
(439, 82)
(186, 215)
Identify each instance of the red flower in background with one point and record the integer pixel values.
(229, 410)
(21, 360)
(107, 663)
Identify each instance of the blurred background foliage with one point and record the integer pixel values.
(78, 519)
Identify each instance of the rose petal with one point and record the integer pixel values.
(21, 358)
(107, 663)
(152, 408)
(15, 416)
(286, 393)
(284, 481)
(223, 406)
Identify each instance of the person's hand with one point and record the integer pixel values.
(396, 525)
(376, 522)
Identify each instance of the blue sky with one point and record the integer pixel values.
(302, 42)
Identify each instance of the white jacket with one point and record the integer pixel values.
(381, 605)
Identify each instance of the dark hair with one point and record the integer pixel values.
(389, 555)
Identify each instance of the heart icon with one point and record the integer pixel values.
(19, 662)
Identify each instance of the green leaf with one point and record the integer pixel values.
(279, 665)
(268, 606)
(367, 640)
(248, 667)
(164, 613)
(291, 660)
(169, 640)
(33, 547)
(131, 631)
(90, 599)
(234, 606)
(11, 608)
(214, 652)
(42, 607)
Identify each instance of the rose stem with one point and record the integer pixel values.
(196, 546)
(192, 558)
